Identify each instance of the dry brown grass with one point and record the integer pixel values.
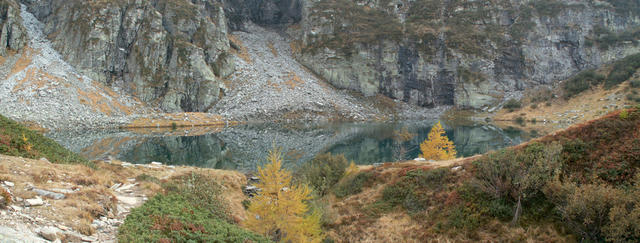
(188, 119)
(272, 48)
(243, 53)
(293, 80)
(589, 103)
(93, 196)
(24, 61)
(85, 228)
(296, 46)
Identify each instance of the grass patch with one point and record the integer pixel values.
(17, 140)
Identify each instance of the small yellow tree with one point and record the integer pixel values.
(437, 146)
(279, 210)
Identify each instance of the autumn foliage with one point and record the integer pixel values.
(280, 210)
(437, 146)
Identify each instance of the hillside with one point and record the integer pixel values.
(572, 185)
(583, 97)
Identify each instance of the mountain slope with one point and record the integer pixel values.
(39, 86)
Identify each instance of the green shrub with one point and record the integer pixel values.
(323, 172)
(606, 39)
(585, 208)
(353, 185)
(624, 114)
(464, 218)
(635, 83)
(549, 8)
(623, 70)
(174, 218)
(201, 191)
(520, 120)
(512, 104)
(517, 176)
(533, 106)
(17, 140)
(581, 82)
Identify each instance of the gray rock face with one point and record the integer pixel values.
(268, 13)
(464, 53)
(171, 54)
(12, 35)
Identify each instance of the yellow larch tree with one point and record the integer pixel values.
(437, 146)
(280, 210)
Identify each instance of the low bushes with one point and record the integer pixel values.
(512, 104)
(323, 172)
(623, 70)
(582, 82)
(415, 190)
(353, 185)
(174, 218)
(191, 210)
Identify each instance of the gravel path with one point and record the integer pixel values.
(39, 86)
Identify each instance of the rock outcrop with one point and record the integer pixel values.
(466, 53)
(171, 54)
(12, 35)
(174, 54)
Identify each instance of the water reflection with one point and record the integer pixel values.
(244, 147)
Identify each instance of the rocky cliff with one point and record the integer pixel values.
(174, 54)
(464, 53)
(168, 53)
(12, 35)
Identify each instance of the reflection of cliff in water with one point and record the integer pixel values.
(243, 147)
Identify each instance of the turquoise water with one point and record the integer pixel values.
(243, 147)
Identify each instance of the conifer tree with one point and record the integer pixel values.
(280, 210)
(437, 146)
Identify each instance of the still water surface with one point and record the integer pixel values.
(243, 147)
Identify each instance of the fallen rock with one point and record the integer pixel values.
(420, 159)
(49, 194)
(9, 184)
(33, 202)
(49, 233)
(127, 200)
(456, 168)
(15, 208)
(126, 187)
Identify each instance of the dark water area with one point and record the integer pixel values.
(246, 146)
